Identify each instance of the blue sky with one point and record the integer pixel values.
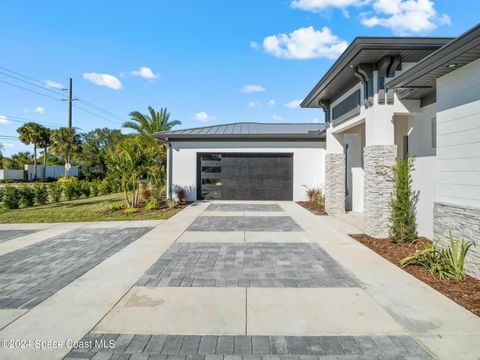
(208, 61)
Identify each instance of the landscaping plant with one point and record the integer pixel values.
(11, 197)
(447, 263)
(85, 189)
(69, 190)
(94, 188)
(181, 194)
(403, 228)
(27, 196)
(55, 191)
(41, 194)
(150, 205)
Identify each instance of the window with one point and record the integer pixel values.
(434, 133)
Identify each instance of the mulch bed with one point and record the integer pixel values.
(314, 207)
(466, 293)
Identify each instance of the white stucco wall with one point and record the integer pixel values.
(308, 161)
(458, 136)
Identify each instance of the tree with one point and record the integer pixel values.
(403, 228)
(30, 133)
(45, 139)
(150, 124)
(95, 144)
(18, 160)
(135, 158)
(65, 141)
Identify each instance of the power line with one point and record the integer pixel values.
(27, 89)
(24, 120)
(92, 113)
(56, 92)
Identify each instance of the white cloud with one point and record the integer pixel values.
(106, 80)
(39, 110)
(278, 118)
(305, 43)
(144, 72)
(405, 17)
(248, 89)
(271, 102)
(254, 45)
(203, 116)
(4, 120)
(294, 104)
(53, 84)
(320, 5)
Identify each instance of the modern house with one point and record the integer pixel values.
(246, 161)
(386, 98)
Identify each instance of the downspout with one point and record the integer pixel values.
(169, 169)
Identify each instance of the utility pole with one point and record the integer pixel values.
(70, 103)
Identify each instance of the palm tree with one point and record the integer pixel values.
(30, 134)
(45, 135)
(149, 124)
(65, 141)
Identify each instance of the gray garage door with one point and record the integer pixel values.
(241, 176)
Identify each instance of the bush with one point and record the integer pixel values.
(41, 194)
(145, 193)
(150, 205)
(171, 204)
(104, 187)
(11, 197)
(403, 228)
(70, 179)
(78, 189)
(129, 211)
(1, 193)
(85, 188)
(27, 196)
(55, 191)
(69, 190)
(447, 263)
(315, 195)
(181, 194)
(116, 206)
(94, 188)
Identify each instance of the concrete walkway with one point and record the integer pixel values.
(246, 279)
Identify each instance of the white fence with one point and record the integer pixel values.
(51, 171)
(11, 174)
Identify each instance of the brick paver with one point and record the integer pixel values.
(244, 207)
(31, 274)
(6, 235)
(178, 347)
(244, 223)
(246, 265)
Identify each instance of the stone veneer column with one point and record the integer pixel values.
(378, 161)
(335, 183)
(462, 221)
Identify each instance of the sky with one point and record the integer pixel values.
(208, 61)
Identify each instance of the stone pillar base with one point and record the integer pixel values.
(335, 183)
(378, 162)
(462, 221)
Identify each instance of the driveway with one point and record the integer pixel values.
(219, 281)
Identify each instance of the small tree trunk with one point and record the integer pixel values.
(45, 162)
(34, 161)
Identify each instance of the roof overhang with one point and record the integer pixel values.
(420, 80)
(318, 135)
(340, 77)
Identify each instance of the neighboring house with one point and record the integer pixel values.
(246, 161)
(385, 98)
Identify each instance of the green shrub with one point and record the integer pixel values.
(447, 263)
(55, 191)
(150, 205)
(78, 189)
(27, 196)
(116, 206)
(403, 228)
(105, 187)
(11, 197)
(94, 188)
(171, 204)
(85, 188)
(69, 190)
(41, 194)
(129, 211)
(1, 193)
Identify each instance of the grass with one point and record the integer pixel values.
(91, 209)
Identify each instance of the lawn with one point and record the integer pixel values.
(91, 209)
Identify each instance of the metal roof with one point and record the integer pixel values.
(420, 80)
(368, 50)
(248, 130)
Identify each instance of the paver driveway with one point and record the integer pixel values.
(246, 281)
